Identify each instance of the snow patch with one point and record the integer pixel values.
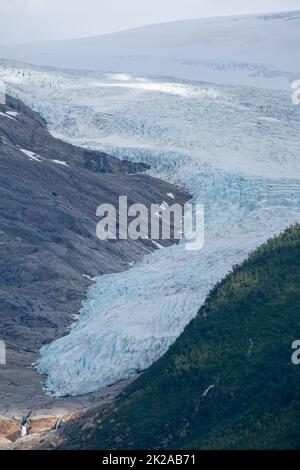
(60, 162)
(31, 155)
(89, 277)
(7, 116)
(12, 113)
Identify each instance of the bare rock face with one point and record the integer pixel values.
(49, 192)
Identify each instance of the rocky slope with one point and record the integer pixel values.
(49, 192)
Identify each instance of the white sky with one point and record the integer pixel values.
(36, 20)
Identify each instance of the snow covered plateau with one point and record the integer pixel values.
(234, 148)
(250, 50)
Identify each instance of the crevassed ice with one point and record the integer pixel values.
(130, 319)
(235, 149)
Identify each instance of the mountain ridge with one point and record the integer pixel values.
(49, 251)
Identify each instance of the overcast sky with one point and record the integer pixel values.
(36, 20)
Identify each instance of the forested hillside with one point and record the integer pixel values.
(228, 382)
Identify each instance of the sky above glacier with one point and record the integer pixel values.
(37, 20)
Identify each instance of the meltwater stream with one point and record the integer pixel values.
(235, 149)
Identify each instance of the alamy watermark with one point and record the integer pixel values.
(159, 222)
(2, 343)
(296, 353)
(2, 353)
(2, 92)
(296, 93)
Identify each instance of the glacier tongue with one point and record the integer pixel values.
(236, 149)
(130, 319)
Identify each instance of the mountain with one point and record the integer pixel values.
(257, 50)
(49, 193)
(235, 149)
(228, 382)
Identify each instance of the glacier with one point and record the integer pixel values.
(234, 148)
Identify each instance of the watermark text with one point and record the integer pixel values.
(159, 222)
(2, 353)
(296, 93)
(2, 92)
